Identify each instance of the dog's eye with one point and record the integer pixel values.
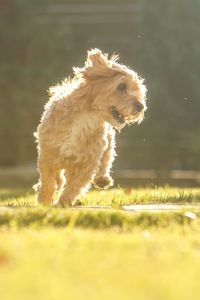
(121, 87)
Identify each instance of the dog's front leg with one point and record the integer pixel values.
(102, 177)
(46, 186)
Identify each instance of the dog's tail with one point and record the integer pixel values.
(60, 180)
(36, 186)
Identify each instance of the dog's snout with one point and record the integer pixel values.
(139, 106)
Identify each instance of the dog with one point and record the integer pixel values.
(76, 134)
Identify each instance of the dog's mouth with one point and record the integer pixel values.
(117, 116)
(121, 119)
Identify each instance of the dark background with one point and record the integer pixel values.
(40, 41)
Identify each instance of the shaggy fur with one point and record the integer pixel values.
(76, 136)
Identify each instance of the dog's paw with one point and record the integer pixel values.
(77, 203)
(103, 182)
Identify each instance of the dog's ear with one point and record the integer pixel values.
(96, 59)
(97, 66)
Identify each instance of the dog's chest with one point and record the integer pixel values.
(84, 138)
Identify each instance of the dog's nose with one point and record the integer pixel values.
(139, 106)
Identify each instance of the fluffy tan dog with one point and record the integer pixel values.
(76, 133)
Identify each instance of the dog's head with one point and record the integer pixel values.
(117, 93)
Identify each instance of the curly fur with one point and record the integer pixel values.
(76, 133)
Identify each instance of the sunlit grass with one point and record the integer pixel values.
(65, 263)
(57, 254)
(119, 197)
(96, 219)
(22, 211)
(115, 197)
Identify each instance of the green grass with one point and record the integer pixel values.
(55, 254)
(114, 197)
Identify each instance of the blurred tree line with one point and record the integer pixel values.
(41, 41)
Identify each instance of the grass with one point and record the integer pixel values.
(114, 197)
(48, 253)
